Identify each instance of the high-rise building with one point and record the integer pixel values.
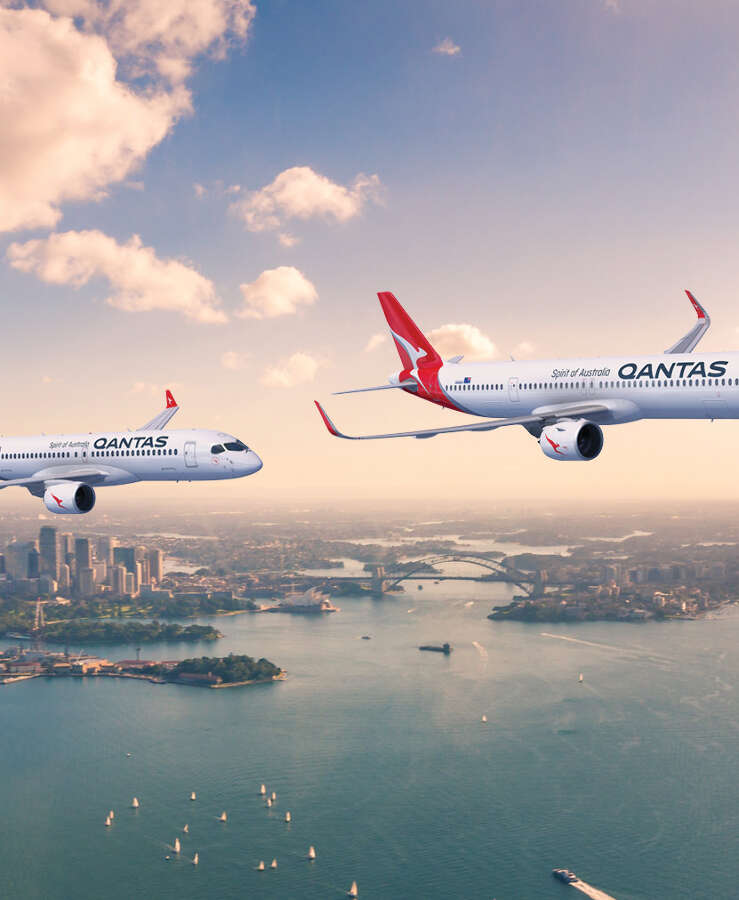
(34, 562)
(65, 579)
(145, 570)
(86, 581)
(16, 559)
(125, 556)
(130, 584)
(83, 554)
(156, 565)
(49, 548)
(105, 547)
(66, 541)
(118, 580)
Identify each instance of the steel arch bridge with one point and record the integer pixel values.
(525, 580)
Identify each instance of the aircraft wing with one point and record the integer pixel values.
(89, 474)
(548, 417)
(161, 419)
(689, 341)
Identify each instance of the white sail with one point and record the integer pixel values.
(269, 801)
(273, 864)
(484, 718)
(223, 817)
(262, 790)
(260, 867)
(192, 795)
(195, 859)
(274, 796)
(311, 852)
(135, 803)
(176, 845)
(107, 820)
(353, 890)
(288, 817)
(111, 814)
(581, 678)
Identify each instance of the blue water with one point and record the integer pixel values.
(379, 753)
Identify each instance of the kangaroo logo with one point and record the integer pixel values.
(413, 354)
(555, 445)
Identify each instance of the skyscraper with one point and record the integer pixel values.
(49, 547)
(125, 556)
(83, 553)
(156, 565)
(105, 547)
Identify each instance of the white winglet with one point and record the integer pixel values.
(689, 341)
(162, 418)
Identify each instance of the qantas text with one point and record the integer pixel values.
(687, 369)
(127, 442)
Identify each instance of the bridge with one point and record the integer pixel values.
(496, 571)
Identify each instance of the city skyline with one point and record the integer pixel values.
(540, 197)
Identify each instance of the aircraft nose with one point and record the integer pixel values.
(253, 462)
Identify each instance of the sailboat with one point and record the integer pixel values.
(581, 678)
(262, 790)
(192, 795)
(273, 864)
(484, 718)
(353, 890)
(195, 859)
(260, 867)
(274, 796)
(288, 817)
(111, 815)
(108, 823)
(176, 845)
(223, 817)
(186, 829)
(135, 803)
(311, 852)
(269, 801)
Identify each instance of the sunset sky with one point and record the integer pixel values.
(207, 195)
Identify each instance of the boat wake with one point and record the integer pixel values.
(590, 891)
(481, 650)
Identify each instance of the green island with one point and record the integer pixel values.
(103, 631)
(227, 671)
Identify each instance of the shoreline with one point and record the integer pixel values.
(152, 679)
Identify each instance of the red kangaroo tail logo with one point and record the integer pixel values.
(58, 501)
(555, 445)
(411, 342)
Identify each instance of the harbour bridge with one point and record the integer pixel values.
(494, 568)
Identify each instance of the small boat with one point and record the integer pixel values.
(263, 790)
(108, 823)
(311, 852)
(273, 864)
(193, 796)
(269, 801)
(484, 718)
(168, 857)
(260, 867)
(581, 678)
(135, 803)
(195, 859)
(288, 817)
(111, 815)
(176, 845)
(128, 755)
(223, 817)
(274, 796)
(353, 890)
(186, 829)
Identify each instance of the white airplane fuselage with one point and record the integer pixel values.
(662, 386)
(125, 457)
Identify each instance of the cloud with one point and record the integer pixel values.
(451, 340)
(277, 292)
(525, 348)
(613, 6)
(139, 280)
(288, 240)
(200, 190)
(447, 47)
(235, 361)
(70, 128)
(300, 368)
(301, 193)
(161, 37)
(375, 341)
(155, 390)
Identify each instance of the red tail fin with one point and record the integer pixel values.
(413, 347)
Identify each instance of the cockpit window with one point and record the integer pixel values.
(217, 448)
(236, 445)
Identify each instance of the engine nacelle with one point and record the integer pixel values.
(573, 439)
(69, 498)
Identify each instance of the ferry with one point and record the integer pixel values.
(564, 875)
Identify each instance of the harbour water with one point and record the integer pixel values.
(381, 756)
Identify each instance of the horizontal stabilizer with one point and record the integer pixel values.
(688, 342)
(409, 383)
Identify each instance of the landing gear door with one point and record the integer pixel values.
(191, 459)
(513, 389)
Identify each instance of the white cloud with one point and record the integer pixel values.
(162, 37)
(235, 361)
(447, 47)
(451, 340)
(301, 193)
(288, 240)
(613, 6)
(375, 341)
(70, 128)
(139, 279)
(524, 349)
(200, 190)
(300, 368)
(277, 292)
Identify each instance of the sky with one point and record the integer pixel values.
(207, 195)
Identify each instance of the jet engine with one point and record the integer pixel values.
(70, 498)
(573, 439)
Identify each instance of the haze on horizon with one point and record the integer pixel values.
(209, 202)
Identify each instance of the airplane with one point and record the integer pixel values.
(65, 469)
(564, 403)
